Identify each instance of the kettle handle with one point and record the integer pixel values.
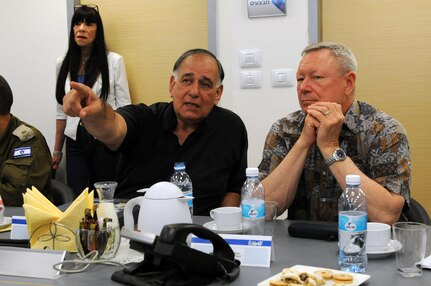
(129, 221)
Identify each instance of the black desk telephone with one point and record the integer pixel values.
(169, 252)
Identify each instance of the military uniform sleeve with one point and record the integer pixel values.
(23, 171)
(13, 180)
(40, 169)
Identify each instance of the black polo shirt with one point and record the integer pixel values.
(215, 154)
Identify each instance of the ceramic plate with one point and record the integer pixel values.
(358, 278)
(393, 246)
(212, 226)
(6, 222)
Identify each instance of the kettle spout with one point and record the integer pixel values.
(185, 198)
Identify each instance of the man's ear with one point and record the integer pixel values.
(172, 83)
(350, 78)
(219, 92)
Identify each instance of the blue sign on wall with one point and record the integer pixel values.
(266, 8)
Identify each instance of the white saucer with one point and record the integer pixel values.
(393, 246)
(212, 226)
(6, 222)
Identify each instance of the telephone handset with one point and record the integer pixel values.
(171, 246)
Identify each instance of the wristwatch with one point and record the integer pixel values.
(338, 155)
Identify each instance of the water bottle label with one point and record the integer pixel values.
(253, 210)
(189, 202)
(352, 223)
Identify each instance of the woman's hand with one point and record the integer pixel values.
(56, 159)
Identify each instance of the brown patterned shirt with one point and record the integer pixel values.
(376, 143)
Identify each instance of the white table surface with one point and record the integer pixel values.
(289, 251)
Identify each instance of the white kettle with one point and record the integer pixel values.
(163, 203)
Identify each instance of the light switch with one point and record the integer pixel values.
(250, 79)
(282, 77)
(250, 58)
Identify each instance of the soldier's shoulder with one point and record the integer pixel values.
(24, 132)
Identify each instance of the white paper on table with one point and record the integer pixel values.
(426, 263)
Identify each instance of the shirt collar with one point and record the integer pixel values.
(4, 142)
(170, 119)
(351, 119)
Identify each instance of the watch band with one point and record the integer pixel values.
(329, 161)
(338, 155)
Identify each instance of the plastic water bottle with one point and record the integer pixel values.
(182, 180)
(352, 227)
(253, 203)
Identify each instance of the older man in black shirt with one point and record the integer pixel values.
(212, 141)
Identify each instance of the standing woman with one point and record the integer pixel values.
(87, 61)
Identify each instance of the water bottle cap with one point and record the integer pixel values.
(179, 166)
(252, 172)
(353, 180)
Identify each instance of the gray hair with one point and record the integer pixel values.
(346, 60)
(220, 75)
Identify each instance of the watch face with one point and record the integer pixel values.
(340, 154)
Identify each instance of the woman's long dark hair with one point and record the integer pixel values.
(96, 64)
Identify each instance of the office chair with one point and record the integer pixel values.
(61, 193)
(417, 213)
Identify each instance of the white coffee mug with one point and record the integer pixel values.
(226, 217)
(378, 236)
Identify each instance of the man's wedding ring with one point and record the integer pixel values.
(326, 112)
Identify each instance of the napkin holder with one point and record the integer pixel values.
(48, 226)
(54, 236)
(169, 252)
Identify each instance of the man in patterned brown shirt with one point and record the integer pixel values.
(308, 154)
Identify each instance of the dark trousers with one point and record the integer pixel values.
(88, 161)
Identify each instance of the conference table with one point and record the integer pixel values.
(289, 251)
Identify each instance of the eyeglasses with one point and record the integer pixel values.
(92, 6)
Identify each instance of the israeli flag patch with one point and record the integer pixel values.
(22, 152)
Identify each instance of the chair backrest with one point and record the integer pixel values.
(61, 193)
(417, 213)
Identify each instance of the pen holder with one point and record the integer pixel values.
(104, 241)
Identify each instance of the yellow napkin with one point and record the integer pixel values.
(5, 229)
(50, 228)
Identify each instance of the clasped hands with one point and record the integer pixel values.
(323, 125)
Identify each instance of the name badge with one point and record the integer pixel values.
(22, 152)
(251, 250)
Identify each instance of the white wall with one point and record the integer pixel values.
(40, 35)
(33, 34)
(281, 40)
